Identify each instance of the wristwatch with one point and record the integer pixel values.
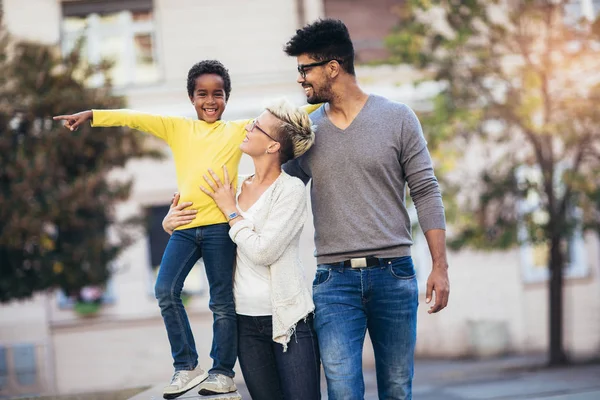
(232, 216)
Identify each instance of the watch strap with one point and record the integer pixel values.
(232, 216)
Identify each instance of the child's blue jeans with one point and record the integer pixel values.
(183, 250)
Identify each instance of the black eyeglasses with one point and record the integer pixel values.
(254, 125)
(303, 67)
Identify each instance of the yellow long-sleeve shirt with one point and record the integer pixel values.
(196, 146)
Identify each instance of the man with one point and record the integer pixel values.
(367, 149)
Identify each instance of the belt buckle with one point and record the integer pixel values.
(358, 262)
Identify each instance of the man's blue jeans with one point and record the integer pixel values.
(382, 299)
(184, 248)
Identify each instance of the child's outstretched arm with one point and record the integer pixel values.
(73, 121)
(156, 125)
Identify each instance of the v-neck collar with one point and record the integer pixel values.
(353, 121)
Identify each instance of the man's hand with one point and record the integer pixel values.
(74, 120)
(178, 215)
(439, 284)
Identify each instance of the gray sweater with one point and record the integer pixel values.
(359, 178)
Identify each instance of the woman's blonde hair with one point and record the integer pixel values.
(296, 134)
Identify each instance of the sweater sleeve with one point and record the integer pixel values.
(309, 108)
(285, 219)
(157, 125)
(418, 169)
(293, 168)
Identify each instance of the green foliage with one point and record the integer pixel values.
(56, 198)
(519, 88)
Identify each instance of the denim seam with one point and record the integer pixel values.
(316, 355)
(406, 278)
(362, 289)
(329, 270)
(179, 320)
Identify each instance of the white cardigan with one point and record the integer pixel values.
(274, 241)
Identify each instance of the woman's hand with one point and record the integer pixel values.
(223, 193)
(178, 215)
(74, 120)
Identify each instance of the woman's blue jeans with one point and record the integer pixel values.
(271, 374)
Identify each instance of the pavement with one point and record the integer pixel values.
(510, 378)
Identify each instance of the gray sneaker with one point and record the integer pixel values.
(216, 384)
(183, 381)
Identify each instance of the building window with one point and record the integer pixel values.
(24, 360)
(196, 283)
(21, 370)
(120, 32)
(369, 22)
(534, 254)
(3, 369)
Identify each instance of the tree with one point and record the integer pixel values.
(57, 222)
(519, 83)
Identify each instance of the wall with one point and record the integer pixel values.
(33, 20)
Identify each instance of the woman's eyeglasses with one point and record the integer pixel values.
(254, 125)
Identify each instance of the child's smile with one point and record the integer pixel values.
(209, 97)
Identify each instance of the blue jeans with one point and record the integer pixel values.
(382, 299)
(271, 374)
(184, 248)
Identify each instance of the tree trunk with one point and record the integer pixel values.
(557, 354)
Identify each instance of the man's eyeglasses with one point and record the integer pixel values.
(302, 68)
(254, 125)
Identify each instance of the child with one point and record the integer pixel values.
(197, 145)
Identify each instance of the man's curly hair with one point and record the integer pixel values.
(324, 39)
(208, 67)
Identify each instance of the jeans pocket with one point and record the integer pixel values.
(321, 276)
(402, 268)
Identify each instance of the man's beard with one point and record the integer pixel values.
(322, 96)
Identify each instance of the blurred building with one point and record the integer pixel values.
(499, 301)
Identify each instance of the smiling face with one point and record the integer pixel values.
(208, 97)
(261, 136)
(315, 81)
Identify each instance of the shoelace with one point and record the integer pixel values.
(179, 376)
(217, 379)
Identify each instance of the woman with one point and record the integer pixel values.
(277, 348)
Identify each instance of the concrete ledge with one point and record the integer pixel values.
(155, 393)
